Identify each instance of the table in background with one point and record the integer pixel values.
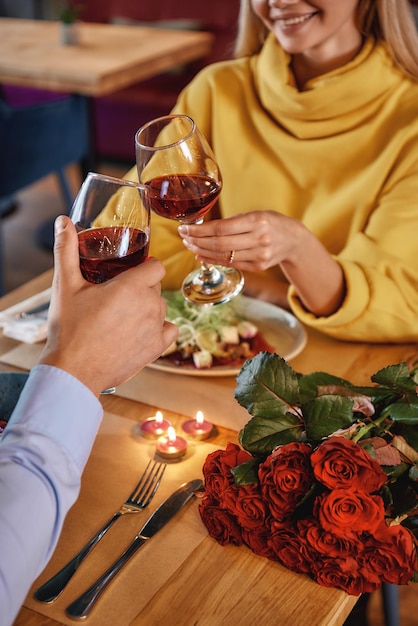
(107, 57)
(254, 587)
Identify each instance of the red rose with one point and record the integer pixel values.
(225, 460)
(391, 554)
(325, 542)
(344, 573)
(248, 506)
(217, 469)
(339, 463)
(258, 540)
(289, 549)
(221, 525)
(285, 477)
(345, 511)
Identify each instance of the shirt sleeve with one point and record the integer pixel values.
(43, 451)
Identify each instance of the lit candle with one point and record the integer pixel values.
(155, 426)
(170, 446)
(198, 428)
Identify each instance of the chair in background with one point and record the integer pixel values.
(40, 139)
(118, 116)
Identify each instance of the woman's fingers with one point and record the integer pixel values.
(248, 242)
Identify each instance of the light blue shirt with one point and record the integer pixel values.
(43, 451)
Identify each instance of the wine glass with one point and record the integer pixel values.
(112, 219)
(177, 165)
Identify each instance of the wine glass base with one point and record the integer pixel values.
(199, 289)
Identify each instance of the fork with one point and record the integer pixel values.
(140, 498)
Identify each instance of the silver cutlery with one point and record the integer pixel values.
(140, 498)
(81, 607)
(37, 311)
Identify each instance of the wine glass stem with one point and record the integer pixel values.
(210, 276)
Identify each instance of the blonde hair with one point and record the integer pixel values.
(390, 21)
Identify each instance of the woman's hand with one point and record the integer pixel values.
(103, 334)
(260, 240)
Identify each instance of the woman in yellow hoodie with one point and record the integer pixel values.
(315, 128)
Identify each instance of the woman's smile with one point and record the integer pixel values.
(320, 35)
(291, 22)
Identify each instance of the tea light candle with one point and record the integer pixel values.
(170, 446)
(198, 428)
(155, 426)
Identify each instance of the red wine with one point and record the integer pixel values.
(106, 252)
(186, 198)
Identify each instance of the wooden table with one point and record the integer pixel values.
(227, 585)
(107, 58)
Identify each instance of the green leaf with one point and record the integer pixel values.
(267, 385)
(379, 395)
(404, 412)
(394, 472)
(246, 473)
(326, 414)
(310, 383)
(261, 435)
(395, 376)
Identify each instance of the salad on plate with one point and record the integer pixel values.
(211, 336)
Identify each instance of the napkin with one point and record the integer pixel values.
(28, 330)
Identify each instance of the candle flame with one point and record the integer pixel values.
(158, 417)
(200, 417)
(171, 434)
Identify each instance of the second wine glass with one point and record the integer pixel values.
(177, 165)
(112, 219)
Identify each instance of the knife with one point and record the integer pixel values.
(81, 607)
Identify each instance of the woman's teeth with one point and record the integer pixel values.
(294, 20)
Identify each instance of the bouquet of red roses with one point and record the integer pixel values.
(326, 478)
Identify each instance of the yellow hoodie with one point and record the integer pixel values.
(341, 156)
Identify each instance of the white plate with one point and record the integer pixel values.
(279, 328)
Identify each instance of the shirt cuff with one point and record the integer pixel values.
(339, 324)
(56, 404)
